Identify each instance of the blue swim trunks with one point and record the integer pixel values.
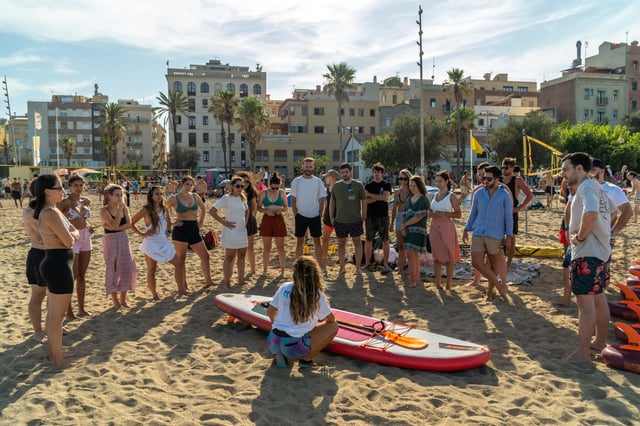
(291, 347)
(589, 275)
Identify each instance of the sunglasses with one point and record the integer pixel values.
(403, 178)
(57, 188)
(487, 178)
(240, 186)
(275, 188)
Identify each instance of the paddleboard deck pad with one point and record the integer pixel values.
(376, 344)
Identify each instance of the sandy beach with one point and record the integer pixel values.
(179, 362)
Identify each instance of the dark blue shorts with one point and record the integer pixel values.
(343, 230)
(589, 275)
(290, 347)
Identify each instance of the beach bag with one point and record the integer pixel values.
(210, 240)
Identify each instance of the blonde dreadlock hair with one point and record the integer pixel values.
(307, 286)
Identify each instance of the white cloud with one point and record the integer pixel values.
(19, 58)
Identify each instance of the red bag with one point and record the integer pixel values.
(562, 236)
(210, 240)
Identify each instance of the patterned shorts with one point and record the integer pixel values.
(343, 230)
(290, 347)
(589, 275)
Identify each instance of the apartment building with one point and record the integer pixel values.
(499, 90)
(199, 130)
(138, 145)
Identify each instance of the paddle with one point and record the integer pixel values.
(400, 340)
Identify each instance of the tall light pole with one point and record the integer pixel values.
(419, 22)
(10, 123)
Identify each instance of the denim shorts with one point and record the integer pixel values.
(291, 347)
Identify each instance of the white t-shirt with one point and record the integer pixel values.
(590, 197)
(308, 192)
(615, 193)
(284, 321)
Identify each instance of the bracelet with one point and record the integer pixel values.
(580, 240)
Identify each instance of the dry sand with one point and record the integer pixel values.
(177, 361)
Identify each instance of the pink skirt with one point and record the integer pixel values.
(120, 273)
(444, 240)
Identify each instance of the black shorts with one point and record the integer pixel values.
(56, 271)
(549, 190)
(252, 225)
(187, 233)
(378, 224)
(34, 259)
(15, 195)
(314, 224)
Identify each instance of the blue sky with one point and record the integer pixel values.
(67, 46)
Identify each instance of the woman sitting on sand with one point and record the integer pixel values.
(155, 244)
(234, 231)
(295, 311)
(58, 235)
(120, 274)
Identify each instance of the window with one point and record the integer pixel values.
(177, 86)
(292, 110)
(191, 89)
(601, 117)
(303, 110)
(192, 122)
(179, 119)
(299, 154)
(262, 155)
(360, 112)
(318, 129)
(372, 112)
(244, 90)
(205, 120)
(342, 112)
(257, 89)
(481, 122)
(192, 105)
(394, 99)
(387, 122)
(319, 153)
(178, 137)
(205, 103)
(204, 87)
(205, 156)
(635, 65)
(318, 111)
(634, 105)
(523, 89)
(614, 115)
(192, 140)
(205, 137)
(298, 128)
(634, 85)
(335, 155)
(352, 112)
(586, 114)
(507, 88)
(384, 99)
(615, 94)
(432, 102)
(372, 130)
(586, 94)
(280, 155)
(231, 88)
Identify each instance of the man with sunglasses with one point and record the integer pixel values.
(491, 221)
(515, 185)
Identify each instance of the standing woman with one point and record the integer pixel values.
(155, 244)
(58, 235)
(330, 178)
(190, 211)
(234, 231)
(252, 223)
(77, 209)
(414, 227)
(120, 275)
(443, 236)
(34, 258)
(400, 198)
(303, 323)
(273, 203)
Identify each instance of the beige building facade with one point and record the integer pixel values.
(137, 146)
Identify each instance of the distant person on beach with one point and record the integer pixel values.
(548, 186)
(348, 210)
(155, 244)
(615, 194)
(234, 231)
(378, 192)
(330, 178)
(445, 206)
(414, 227)
(590, 232)
(77, 209)
(400, 197)
(58, 236)
(272, 203)
(465, 185)
(303, 323)
(185, 233)
(16, 192)
(170, 188)
(120, 268)
(34, 258)
(251, 192)
(201, 188)
(307, 204)
(515, 185)
(491, 222)
(635, 193)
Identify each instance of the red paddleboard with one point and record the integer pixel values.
(369, 339)
(622, 308)
(624, 357)
(635, 270)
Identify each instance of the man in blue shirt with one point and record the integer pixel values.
(491, 221)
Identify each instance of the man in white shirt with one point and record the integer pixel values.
(307, 203)
(615, 194)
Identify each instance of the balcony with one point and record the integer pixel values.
(602, 100)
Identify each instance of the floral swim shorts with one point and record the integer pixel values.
(589, 275)
(291, 347)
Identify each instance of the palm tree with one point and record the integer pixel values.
(339, 80)
(171, 105)
(223, 106)
(458, 85)
(254, 122)
(114, 123)
(68, 146)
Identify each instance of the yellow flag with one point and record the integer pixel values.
(475, 145)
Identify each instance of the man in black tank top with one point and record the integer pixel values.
(515, 185)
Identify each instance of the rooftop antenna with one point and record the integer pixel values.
(626, 38)
(433, 69)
